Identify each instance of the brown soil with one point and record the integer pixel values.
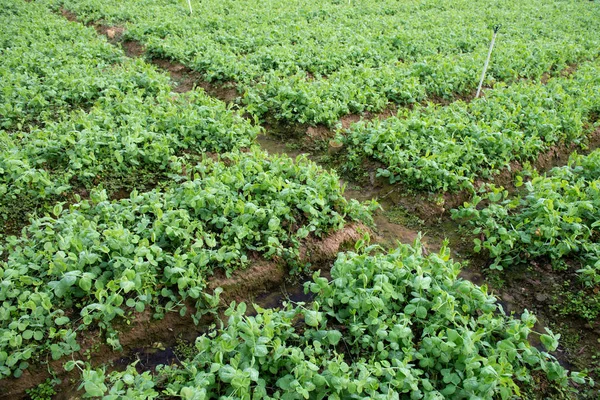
(389, 234)
(423, 205)
(114, 34)
(133, 48)
(319, 132)
(225, 92)
(184, 77)
(262, 276)
(274, 145)
(545, 78)
(68, 15)
(569, 70)
(319, 252)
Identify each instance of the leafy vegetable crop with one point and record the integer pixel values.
(449, 148)
(555, 216)
(110, 117)
(100, 260)
(397, 325)
(49, 67)
(313, 62)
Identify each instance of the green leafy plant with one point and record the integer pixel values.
(102, 260)
(43, 391)
(555, 216)
(76, 112)
(317, 62)
(389, 325)
(454, 147)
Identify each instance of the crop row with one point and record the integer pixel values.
(313, 62)
(75, 111)
(101, 259)
(51, 67)
(448, 148)
(554, 217)
(95, 261)
(395, 325)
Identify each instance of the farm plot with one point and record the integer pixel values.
(554, 220)
(450, 148)
(214, 210)
(95, 262)
(541, 243)
(314, 62)
(385, 326)
(99, 260)
(75, 113)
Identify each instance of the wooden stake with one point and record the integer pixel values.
(190, 4)
(487, 61)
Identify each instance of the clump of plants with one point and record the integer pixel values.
(390, 325)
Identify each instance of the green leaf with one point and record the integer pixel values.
(334, 337)
(550, 341)
(312, 318)
(94, 389)
(85, 284)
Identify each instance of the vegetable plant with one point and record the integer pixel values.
(99, 260)
(391, 325)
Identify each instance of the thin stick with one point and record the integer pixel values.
(190, 4)
(487, 61)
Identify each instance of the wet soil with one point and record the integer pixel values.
(133, 49)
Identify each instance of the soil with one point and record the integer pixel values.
(274, 145)
(114, 34)
(68, 15)
(569, 70)
(133, 48)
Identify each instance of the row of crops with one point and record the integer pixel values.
(396, 325)
(555, 217)
(296, 62)
(75, 112)
(85, 263)
(312, 77)
(450, 148)
(77, 117)
(155, 249)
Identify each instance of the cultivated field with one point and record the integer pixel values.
(299, 200)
